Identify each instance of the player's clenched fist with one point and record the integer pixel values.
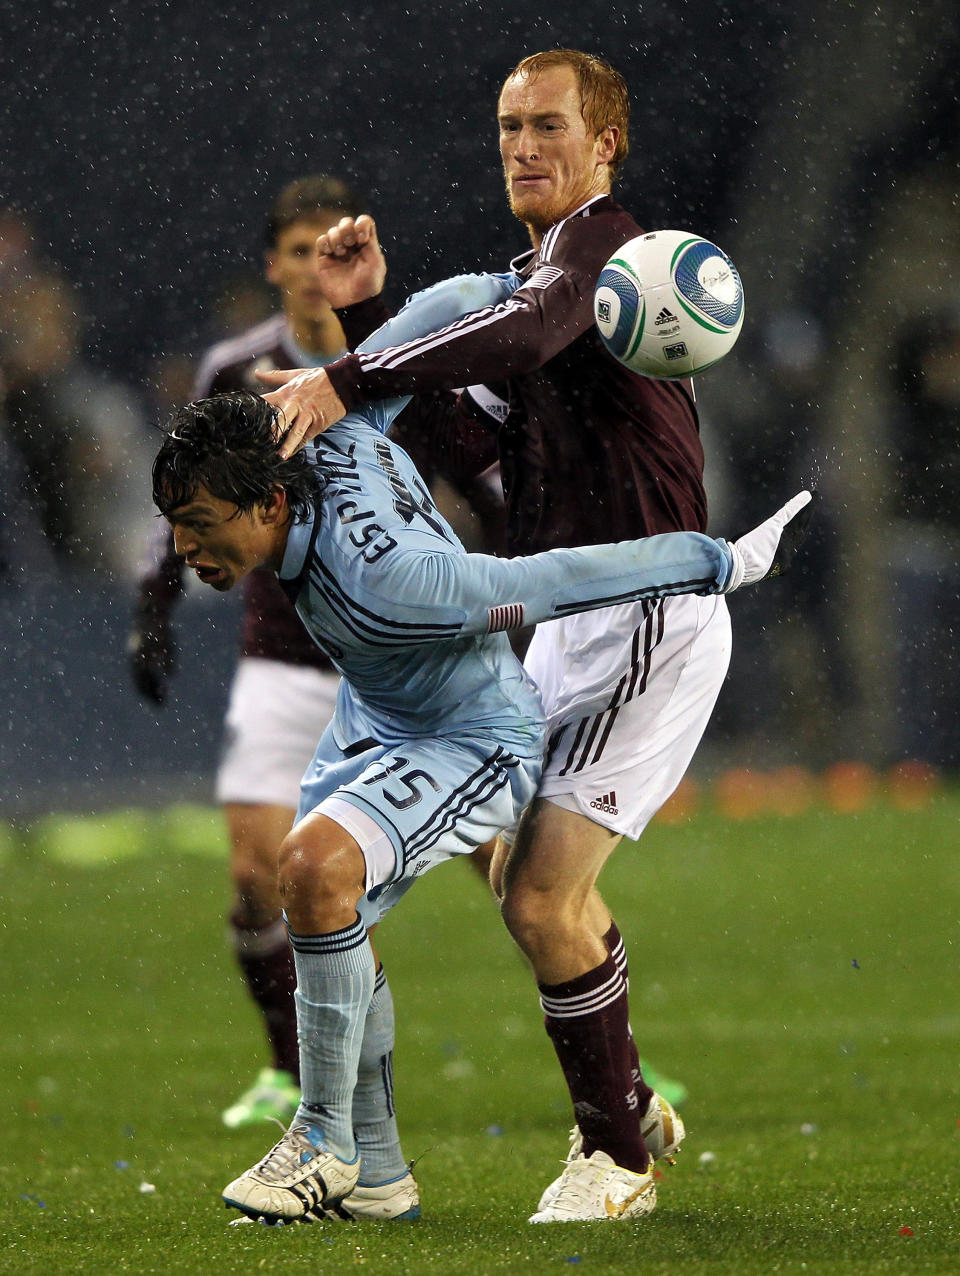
(351, 267)
(350, 261)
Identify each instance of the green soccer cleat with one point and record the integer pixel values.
(273, 1096)
(675, 1092)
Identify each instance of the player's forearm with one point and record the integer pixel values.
(562, 582)
(481, 594)
(499, 342)
(361, 319)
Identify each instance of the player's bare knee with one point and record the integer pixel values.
(306, 869)
(529, 916)
(319, 880)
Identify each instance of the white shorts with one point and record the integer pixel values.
(276, 715)
(628, 692)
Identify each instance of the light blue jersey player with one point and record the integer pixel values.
(437, 741)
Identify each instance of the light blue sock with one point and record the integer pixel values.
(335, 977)
(374, 1122)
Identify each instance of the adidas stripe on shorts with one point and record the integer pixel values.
(276, 714)
(413, 805)
(628, 692)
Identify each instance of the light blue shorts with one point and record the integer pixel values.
(412, 806)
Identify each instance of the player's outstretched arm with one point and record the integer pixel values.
(475, 594)
(770, 548)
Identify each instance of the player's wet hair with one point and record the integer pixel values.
(604, 98)
(310, 197)
(229, 445)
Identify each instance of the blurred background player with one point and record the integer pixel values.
(73, 440)
(284, 689)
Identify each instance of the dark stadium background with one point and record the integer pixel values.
(145, 141)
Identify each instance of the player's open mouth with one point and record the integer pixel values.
(207, 573)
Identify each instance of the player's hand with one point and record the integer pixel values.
(307, 402)
(770, 548)
(350, 262)
(152, 654)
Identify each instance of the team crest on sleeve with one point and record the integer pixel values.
(508, 616)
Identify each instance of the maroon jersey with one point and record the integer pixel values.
(270, 627)
(589, 451)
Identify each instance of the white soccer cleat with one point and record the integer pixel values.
(596, 1188)
(295, 1180)
(382, 1203)
(770, 548)
(662, 1129)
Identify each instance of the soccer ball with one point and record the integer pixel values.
(669, 304)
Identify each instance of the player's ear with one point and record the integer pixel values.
(270, 267)
(275, 508)
(607, 140)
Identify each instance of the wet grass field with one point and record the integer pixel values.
(799, 973)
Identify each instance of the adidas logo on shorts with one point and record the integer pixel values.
(607, 803)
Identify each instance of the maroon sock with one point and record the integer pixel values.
(587, 1020)
(615, 946)
(266, 959)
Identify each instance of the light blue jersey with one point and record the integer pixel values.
(417, 626)
(413, 622)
